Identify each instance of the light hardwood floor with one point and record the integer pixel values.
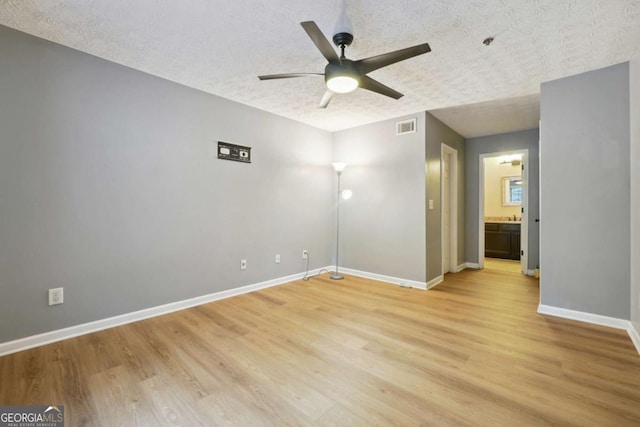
(502, 265)
(471, 352)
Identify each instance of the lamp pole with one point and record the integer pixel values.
(339, 167)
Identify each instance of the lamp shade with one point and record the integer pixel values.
(339, 166)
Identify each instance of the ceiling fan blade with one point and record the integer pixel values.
(320, 41)
(288, 75)
(372, 63)
(368, 83)
(325, 99)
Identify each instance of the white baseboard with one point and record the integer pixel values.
(98, 325)
(435, 282)
(476, 266)
(634, 335)
(581, 316)
(596, 319)
(382, 278)
(461, 267)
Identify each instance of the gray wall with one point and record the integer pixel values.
(634, 82)
(110, 187)
(585, 187)
(382, 227)
(438, 133)
(523, 140)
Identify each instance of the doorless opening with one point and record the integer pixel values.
(513, 192)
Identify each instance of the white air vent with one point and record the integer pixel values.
(407, 126)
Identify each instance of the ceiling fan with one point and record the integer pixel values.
(342, 75)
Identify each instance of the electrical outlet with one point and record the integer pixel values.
(56, 296)
(243, 264)
(277, 258)
(305, 254)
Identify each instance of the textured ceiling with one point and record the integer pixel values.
(492, 117)
(220, 47)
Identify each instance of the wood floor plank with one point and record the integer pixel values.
(338, 416)
(471, 352)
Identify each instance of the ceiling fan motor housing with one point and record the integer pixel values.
(347, 68)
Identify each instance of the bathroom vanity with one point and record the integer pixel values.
(502, 239)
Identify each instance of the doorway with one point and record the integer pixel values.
(449, 208)
(503, 230)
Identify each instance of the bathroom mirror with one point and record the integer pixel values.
(511, 191)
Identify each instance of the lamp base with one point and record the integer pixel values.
(336, 276)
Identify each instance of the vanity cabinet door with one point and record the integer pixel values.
(515, 244)
(497, 244)
(502, 240)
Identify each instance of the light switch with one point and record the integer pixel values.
(430, 204)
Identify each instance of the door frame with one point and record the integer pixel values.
(453, 208)
(524, 224)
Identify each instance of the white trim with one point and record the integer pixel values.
(524, 216)
(435, 282)
(531, 273)
(99, 325)
(453, 207)
(111, 322)
(634, 335)
(480, 218)
(382, 278)
(596, 319)
(473, 265)
(524, 224)
(461, 267)
(540, 203)
(581, 316)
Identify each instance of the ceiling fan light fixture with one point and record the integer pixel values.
(343, 77)
(342, 84)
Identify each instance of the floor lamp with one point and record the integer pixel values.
(344, 194)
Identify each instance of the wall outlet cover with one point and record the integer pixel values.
(56, 296)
